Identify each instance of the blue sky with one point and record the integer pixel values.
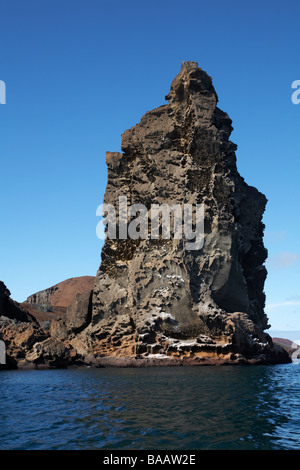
(79, 73)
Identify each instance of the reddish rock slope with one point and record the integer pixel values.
(52, 302)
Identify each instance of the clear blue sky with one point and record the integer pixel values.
(79, 73)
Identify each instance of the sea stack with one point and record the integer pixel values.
(154, 297)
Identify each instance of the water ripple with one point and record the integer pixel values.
(154, 408)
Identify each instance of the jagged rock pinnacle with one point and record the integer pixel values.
(156, 296)
(159, 295)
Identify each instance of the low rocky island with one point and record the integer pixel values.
(154, 300)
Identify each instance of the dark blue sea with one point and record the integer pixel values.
(172, 408)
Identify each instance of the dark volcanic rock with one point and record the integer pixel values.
(11, 309)
(156, 301)
(25, 341)
(79, 312)
(158, 296)
(19, 338)
(51, 352)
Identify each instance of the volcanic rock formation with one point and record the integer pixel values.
(156, 299)
(62, 294)
(52, 303)
(12, 309)
(19, 330)
(30, 341)
(155, 296)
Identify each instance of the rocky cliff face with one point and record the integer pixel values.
(155, 296)
(11, 309)
(62, 294)
(26, 342)
(160, 299)
(52, 303)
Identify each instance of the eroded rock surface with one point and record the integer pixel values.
(156, 301)
(28, 344)
(12, 309)
(156, 296)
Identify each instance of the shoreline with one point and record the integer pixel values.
(135, 363)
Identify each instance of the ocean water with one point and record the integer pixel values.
(172, 408)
